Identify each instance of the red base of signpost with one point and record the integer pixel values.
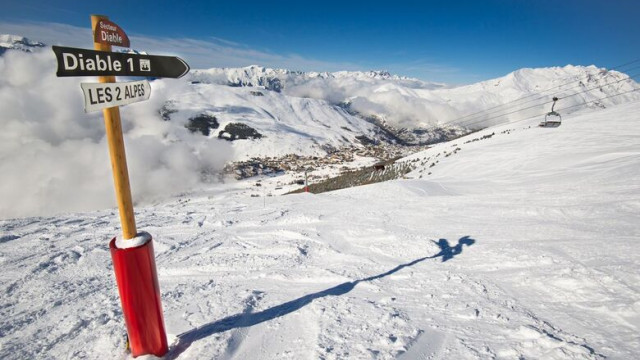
(137, 280)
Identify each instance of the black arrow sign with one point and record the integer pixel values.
(83, 62)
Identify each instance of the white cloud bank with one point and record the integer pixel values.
(54, 157)
(399, 102)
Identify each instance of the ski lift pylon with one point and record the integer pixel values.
(552, 119)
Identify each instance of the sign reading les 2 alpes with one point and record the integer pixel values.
(99, 96)
(83, 62)
(108, 32)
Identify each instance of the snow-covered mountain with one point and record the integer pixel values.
(282, 124)
(279, 79)
(211, 117)
(410, 103)
(15, 42)
(520, 243)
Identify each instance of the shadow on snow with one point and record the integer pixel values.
(244, 320)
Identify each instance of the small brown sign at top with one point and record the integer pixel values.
(108, 32)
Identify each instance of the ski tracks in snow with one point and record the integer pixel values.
(431, 309)
(317, 277)
(55, 288)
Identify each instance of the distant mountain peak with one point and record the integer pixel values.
(278, 79)
(15, 42)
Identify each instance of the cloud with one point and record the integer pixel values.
(396, 101)
(199, 54)
(54, 157)
(399, 109)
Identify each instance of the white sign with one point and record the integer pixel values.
(99, 96)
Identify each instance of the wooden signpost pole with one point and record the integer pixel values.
(133, 263)
(116, 151)
(133, 256)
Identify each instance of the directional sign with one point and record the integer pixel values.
(83, 62)
(99, 96)
(108, 32)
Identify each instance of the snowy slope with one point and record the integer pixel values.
(520, 245)
(289, 125)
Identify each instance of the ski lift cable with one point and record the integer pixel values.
(595, 101)
(577, 105)
(490, 110)
(570, 107)
(534, 116)
(625, 64)
(573, 106)
(476, 120)
(545, 96)
(616, 68)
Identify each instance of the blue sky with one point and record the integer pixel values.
(445, 41)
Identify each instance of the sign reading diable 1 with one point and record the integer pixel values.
(82, 62)
(99, 96)
(108, 32)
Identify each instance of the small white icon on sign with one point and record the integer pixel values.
(145, 65)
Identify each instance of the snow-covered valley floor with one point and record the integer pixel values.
(520, 246)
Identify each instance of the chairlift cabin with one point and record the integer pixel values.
(553, 118)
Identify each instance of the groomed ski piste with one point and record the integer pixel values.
(521, 245)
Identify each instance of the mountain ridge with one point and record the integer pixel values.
(188, 131)
(16, 42)
(365, 91)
